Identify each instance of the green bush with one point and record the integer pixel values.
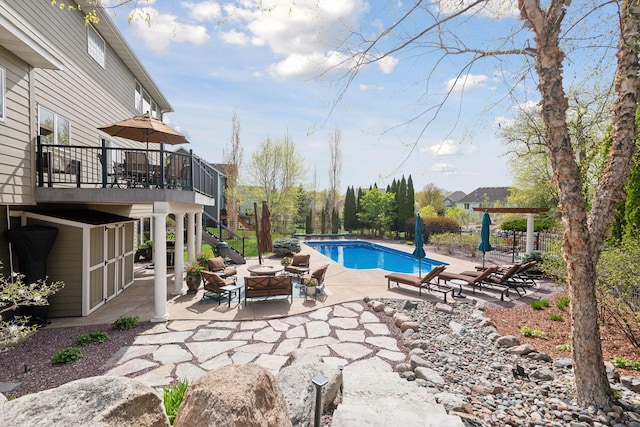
(556, 317)
(539, 304)
(172, 397)
(286, 246)
(124, 323)
(66, 355)
(564, 347)
(562, 302)
(520, 224)
(468, 244)
(93, 337)
(145, 251)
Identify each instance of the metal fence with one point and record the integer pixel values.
(510, 246)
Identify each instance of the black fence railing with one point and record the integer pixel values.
(510, 246)
(64, 166)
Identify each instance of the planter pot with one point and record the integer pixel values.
(193, 283)
(311, 290)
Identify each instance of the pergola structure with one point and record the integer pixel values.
(529, 212)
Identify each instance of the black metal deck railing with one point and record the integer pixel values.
(64, 166)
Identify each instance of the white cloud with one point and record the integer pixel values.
(235, 37)
(502, 122)
(158, 30)
(207, 11)
(444, 168)
(301, 32)
(446, 148)
(467, 82)
(387, 64)
(526, 107)
(496, 9)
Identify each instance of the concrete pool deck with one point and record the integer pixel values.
(341, 285)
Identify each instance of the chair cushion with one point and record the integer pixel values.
(216, 263)
(300, 260)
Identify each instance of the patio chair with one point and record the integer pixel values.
(299, 265)
(427, 282)
(505, 279)
(136, 168)
(213, 283)
(319, 275)
(217, 265)
(174, 172)
(474, 281)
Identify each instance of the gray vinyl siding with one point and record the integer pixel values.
(85, 93)
(65, 263)
(16, 166)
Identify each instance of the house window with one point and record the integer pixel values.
(53, 128)
(144, 103)
(3, 116)
(95, 45)
(466, 206)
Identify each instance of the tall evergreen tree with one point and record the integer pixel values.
(350, 209)
(411, 198)
(308, 226)
(359, 207)
(401, 202)
(323, 221)
(335, 221)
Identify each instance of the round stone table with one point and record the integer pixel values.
(264, 269)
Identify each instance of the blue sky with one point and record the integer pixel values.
(211, 58)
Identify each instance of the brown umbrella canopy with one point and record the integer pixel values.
(144, 128)
(264, 241)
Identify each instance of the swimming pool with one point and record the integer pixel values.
(362, 255)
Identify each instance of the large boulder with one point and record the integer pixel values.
(299, 391)
(235, 395)
(92, 402)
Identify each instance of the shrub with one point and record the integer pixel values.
(520, 224)
(93, 337)
(440, 225)
(564, 347)
(535, 333)
(127, 322)
(172, 397)
(562, 302)
(145, 251)
(539, 304)
(446, 242)
(556, 317)
(286, 246)
(623, 362)
(468, 244)
(66, 355)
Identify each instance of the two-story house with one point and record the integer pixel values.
(484, 197)
(60, 80)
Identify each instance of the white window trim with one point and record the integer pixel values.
(3, 97)
(103, 58)
(55, 124)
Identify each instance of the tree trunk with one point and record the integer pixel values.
(592, 386)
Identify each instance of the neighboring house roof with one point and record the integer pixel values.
(220, 167)
(456, 196)
(488, 194)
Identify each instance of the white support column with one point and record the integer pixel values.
(199, 232)
(178, 263)
(191, 246)
(530, 228)
(160, 267)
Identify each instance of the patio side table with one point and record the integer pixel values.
(230, 291)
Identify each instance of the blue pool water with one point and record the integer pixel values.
(361, 255)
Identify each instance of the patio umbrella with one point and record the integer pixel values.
(418, 241)
(144, 128)
(264, 236)
(485, 245)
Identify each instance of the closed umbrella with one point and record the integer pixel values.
(264, 241)
(418, 241)
(485, 232)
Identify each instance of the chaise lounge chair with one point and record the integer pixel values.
(427, 282)
(475, 281)
(504, 278)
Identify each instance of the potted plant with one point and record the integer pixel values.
(310, 285)
(286, 261)
(202, 259)
(193, 276)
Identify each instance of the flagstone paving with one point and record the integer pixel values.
(343, 334)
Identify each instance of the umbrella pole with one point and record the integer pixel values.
(255, 213)
(419, 268)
